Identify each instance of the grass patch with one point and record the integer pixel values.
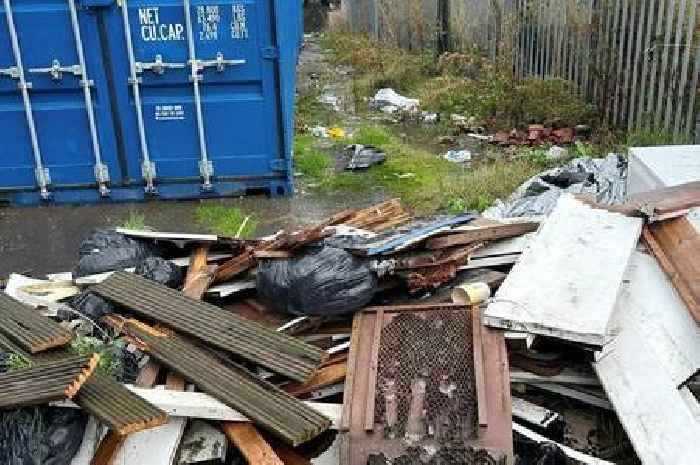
(428, 183)
(17, 362)
(226, 221)
(310, 161)
(135, 221)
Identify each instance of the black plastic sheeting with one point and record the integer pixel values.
(41, 436)
(107, 250)
(604, 178)
(161, 271)
(88, 304)
(322, 281)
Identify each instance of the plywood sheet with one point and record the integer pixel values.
(567, 280)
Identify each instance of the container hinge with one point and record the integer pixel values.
(278, 165)
(271, 53)
(206, 170)
(56, 70)
(43, 178)
(148, 171)
(220, 63)
(11, 72)
(102, 177)
(158, 66)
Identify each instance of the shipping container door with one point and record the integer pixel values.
(52, 97)
(202, 99)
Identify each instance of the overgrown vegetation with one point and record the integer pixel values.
(310, 161)
(110, 354)
(226, 221)
(17, 362)
(136, 221)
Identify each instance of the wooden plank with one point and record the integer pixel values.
(656, 348)
(479, 376)
(566, 283)
(289, 456)
(272, 254)
(326, 376)
(481, 234)
(574, 394)
(676, 245)
(174, 382)
(372, 372)
(108, 449)
(148, 374)
(199, 274)
(251, 444)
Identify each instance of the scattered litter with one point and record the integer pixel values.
(107, 250)
(336, 133)
(605, 179)
(319, 131)
(429, 117)
(458, 156)
(330, 100)
(160, 271)
(557, 153)
(389, 101)
(325, 281)
(363, 157)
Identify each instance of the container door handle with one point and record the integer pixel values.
(56, 70)
(158, 66)
(220, 63)
(41, 173)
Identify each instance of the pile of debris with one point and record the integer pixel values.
(406, 335)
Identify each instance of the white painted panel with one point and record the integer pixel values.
(568, 278)
(655, 348)
(156, 446)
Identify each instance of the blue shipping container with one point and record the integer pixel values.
(115, 101)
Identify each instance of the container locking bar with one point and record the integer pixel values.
(148, 168)
(56, 70)
(12, 72)
(100, 170)
(41, 173)
(158, 66)
(206, 167)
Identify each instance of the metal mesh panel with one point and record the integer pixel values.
(425, 379)
(445, 456)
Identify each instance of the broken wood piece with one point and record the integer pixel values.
(535, 415)
(174, 382)
(199, 273)
(324, 377)
(479, 376)
(272, 254)
(148, 374)
(251, 444)
(288, 455)
(676, 245)
(28, 329)
(481, 234)
(107, 450)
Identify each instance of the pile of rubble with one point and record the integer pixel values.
(456, 339)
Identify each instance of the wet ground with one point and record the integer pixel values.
(40, 240)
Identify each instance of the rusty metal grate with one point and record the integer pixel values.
(425, 381)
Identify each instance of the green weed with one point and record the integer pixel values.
(135, 221)
(17, 362)
(226, 221)
(110, 354)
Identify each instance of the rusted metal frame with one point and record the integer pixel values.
(661, 90)
(278, 352)
(413, 308)
(479, 374)
(28, 329)
(674, 78)
(373, 368)
(46, 383)
(266, 405)
(683, 93)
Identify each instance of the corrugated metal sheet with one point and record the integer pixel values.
(46, 382)
(270, 408)
(28, 329)
(278, 352)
